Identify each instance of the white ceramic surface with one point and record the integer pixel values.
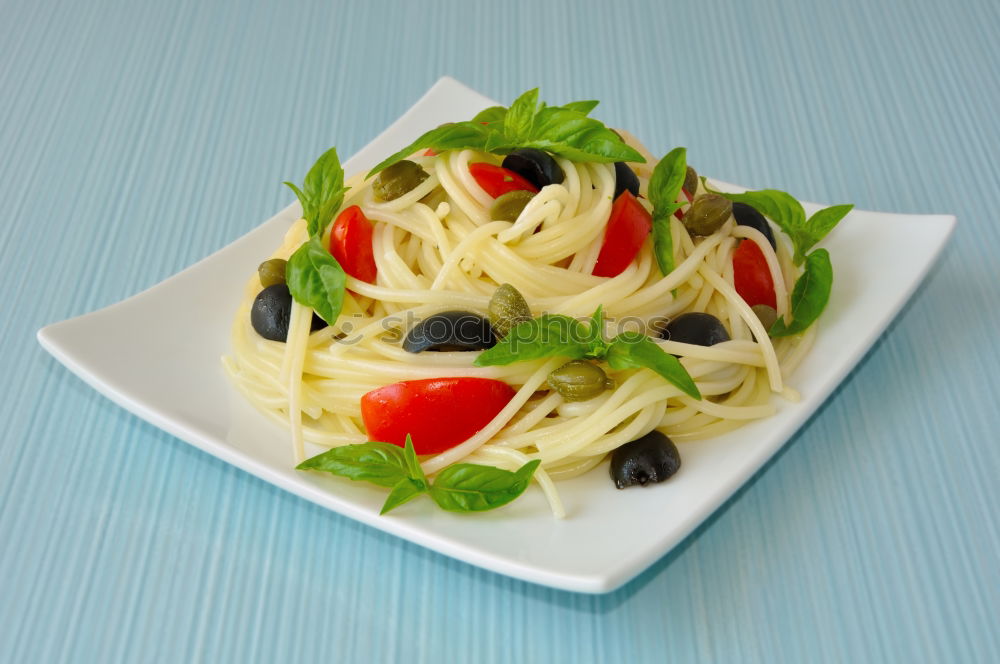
(157, 354)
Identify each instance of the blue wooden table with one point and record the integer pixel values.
(137, 137)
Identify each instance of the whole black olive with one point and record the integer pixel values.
(747, 215)
(650, 459)
(271, 311)
(695, 328)
(535, 166)
(448, 331)
(625, 178)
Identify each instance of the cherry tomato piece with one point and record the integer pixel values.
(351, 244)
(438, 413)
(751, 275)
(680, 213)
(627, 228)
(497, 181)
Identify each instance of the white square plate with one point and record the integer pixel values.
(170, 375)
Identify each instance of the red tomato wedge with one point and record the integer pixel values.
(680, 213)
(497, 181)
(438, 413)
(751, 276)
(627, 228)
(351, 244)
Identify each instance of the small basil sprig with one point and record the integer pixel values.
(461, 487)
(322, 192)
(809, 296)
(315, 278)
(664, 188)
(812, 289)
(566, 131)
(555, 335)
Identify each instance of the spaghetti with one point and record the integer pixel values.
(450, 254)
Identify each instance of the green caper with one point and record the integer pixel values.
(691, 181)
(272, 272)
(396, 180)
(508, 207)
(506, 310)
(578, 380)
(707, 214)
(765, 314)
(436, 197)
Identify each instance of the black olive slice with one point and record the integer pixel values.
(747, 215)
(696, 328)
(535, 166)
(625, 178)
(450, 331)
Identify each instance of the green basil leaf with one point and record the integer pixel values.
(518, 120)
(809, 296)
(315, 279)
(664, 188)
(822, 222)
(405, 490)
(632, 350)
(451, 136)
(307, 208)
(412, 485)
(491, 115)
(412, 462)
(584, 107)
(378, 463)
(324, 183)
(596, 345)
(550, 335)
(663, 240)
(322, 192)
(573, 135)
(667, 180)
(498, 114)
(469, 487)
